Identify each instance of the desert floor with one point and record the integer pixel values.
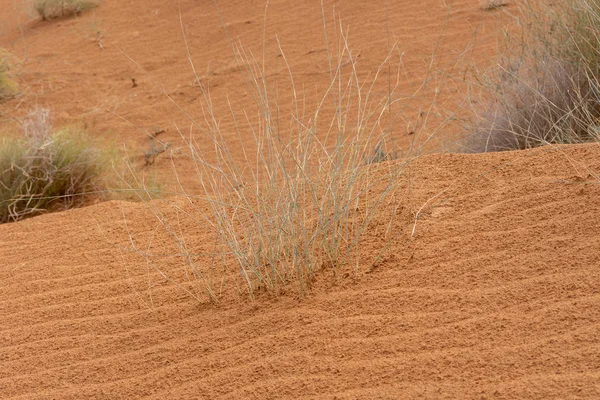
(493, 292)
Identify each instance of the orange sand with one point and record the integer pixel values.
(495, 296)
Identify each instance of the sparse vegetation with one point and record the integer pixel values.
(49, 9)
(8, 85)
(45, 170)
(305, 192)
(546, 87)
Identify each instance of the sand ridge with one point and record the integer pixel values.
(491, 293)
(471, 308)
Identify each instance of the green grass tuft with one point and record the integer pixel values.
(46, 170)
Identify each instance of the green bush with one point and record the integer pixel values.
(46, 170)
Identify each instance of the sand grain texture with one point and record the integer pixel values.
(497, 296)
(67, 70)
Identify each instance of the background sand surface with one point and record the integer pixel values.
(495, 296)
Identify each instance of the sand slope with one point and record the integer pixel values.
(497, 296)
(82, 68)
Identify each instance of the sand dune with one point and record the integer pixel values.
(492, 290)
(496, 296)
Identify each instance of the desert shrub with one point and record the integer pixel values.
(8, 85)
(307, 186)
(545, 88)
(45, 170)
(48, 9)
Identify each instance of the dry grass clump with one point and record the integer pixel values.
(45, 170)
(8, 85)
(49, 9)
(307, 187)
(305, 198)
(545, 89)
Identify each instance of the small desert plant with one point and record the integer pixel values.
(545, 88)
(305, 200)
(8, 86)
(290, 193)
(48, 9)
(45, 170)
